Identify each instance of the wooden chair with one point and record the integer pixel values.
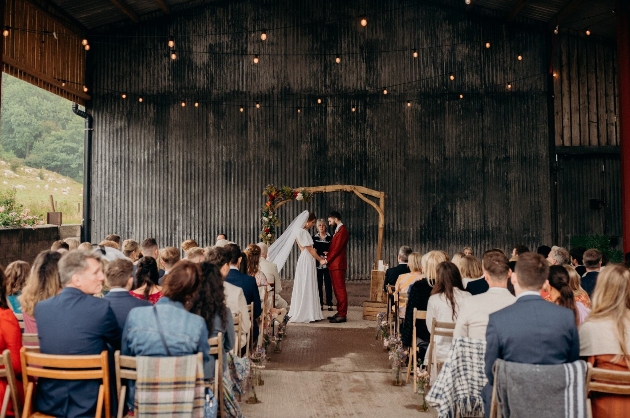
(20, 319)
(125, 369)
(11, 392)
(250, 335)
(63, 367)
(614, 382)
(266, 313)
(390, 307)
(30, 339)
(237, 333)
(216, 348)
(413, 354)
(402, 300)
(273, 294)
(438, 329)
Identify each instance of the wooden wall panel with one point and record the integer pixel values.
(471, 171)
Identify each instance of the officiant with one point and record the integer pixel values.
(321, 243)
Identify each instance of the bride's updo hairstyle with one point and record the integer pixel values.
(311, 217)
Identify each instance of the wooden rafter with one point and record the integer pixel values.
(566, 10)
(164, 6)
(516, 9)
(126, 10)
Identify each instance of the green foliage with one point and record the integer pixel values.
(14, 164)
(600, 242)
(40, 128)
(13, 213)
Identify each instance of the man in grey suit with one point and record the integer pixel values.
(532, 330)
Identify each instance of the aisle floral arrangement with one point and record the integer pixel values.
(397, 356)
(422, 380)
(276, 196)
(382, 326)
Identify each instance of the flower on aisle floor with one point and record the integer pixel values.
(382, 326)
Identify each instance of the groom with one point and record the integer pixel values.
(337, 265)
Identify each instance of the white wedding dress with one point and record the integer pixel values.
(305, 305)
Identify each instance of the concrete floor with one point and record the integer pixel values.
(332, 370)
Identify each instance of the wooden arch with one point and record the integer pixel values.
(360, 192)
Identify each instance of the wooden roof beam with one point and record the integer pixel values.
(126, 10)
(164, 6)
(516, 9)
(566, 10)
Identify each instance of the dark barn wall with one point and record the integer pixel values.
(471, 171)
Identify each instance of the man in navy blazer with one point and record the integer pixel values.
(74, 322)
(245, 282)
(119, 280)
(531, 330)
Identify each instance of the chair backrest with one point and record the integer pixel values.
(11, 392)
(441, 329)
(30, 339)
(20, 319)
(65, 367)
(607, 381)
(272, 285)
(216, 348)
(237, 332)
(250, 335)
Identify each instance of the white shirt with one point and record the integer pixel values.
(235, 300)
(528, 293)
(440, 309)
(474, 313)
(118, 289)
(339, 225)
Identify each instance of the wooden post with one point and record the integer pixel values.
(623, 72)
(381, 228)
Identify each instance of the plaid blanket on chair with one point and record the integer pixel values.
(460, 381)
(170, 387)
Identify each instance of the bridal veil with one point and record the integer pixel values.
(279, 251)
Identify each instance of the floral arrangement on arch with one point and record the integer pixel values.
(276, 196)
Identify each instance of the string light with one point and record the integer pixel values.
(519, 57)
(556, 30)
(338, 60)
(461, 96)
(87, 47)
(124, 96)
(299, 110)
(183, 104)
(509, 86)
(487, 45)
(415, 53)
(354, 108)
(319, 101)
(171, 43)
(84, 42)
(408, 103)
(263, 36)
(555, 74)
(140, 99)
(384, 90)
(451, 76)
(257, 105)
(242, 109)
(364, 21)
(467, 1)
(63, 84)
(173, 55)
(255, 59)
(588, 32)
(5, 33)
(196, 104)
(85, 89)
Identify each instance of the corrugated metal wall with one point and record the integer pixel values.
(471, 171)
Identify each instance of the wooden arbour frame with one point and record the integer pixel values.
(360, 191)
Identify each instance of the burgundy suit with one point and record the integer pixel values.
(337, 265)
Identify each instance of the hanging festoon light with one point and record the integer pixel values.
(255, 59)
(467, 1)
(84, 42)
(384, 90)
(196, 104)
(299, 110)
(319, 101)
(509, 86)
(171, 43)
(173, 55)
(354, 109)
(488, 45)
(588, 32)
(63, 83)
(124, 96)
(140, 99)
(556, 30)
(408, 103)
(242, 109)
(555, 74)
(85, 89)
(461, 96)
(183, 104)
(363, 21)
(519, 57)
(257, 105)
(415, 53)
(338, 59)
(5, 32)
(451, 76)
(263, 36)
(87, 47)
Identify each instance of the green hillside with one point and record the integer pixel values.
(34, 186)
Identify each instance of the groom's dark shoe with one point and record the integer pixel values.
(333, 317)
(338, 320)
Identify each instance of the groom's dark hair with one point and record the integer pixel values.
(235, 253)
(334, 214)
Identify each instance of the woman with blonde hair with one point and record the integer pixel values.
(404, 281)
(457, 259)
(42, 283)
(73, 243)
(470, 269)
(17, 272)
(579, 294)
(131, 249)
(605, 335)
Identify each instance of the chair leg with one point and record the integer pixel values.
(5, 402)
(121, 401)
(99, 402)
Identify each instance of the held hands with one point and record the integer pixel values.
(323, 261)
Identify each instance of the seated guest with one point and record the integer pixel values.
(471, 271)
(209, 303)
(10, 339)
(169, 256)
(576, 254)
(221, 236)
(391, 275)
(195, 255)
(147, 278)
(73, 243)
(515, 334)
(518, 250)
(85, 246)
(234, 297)
(544, 250)
(150, 248)
(253, 261)
(184, 333)
(404, 281)
(60, 246)
(131, 249)
(457, 260)
(74, 323)
(271, 273)
(115, 238)
(245, 282)
(468, 251)
(110, 244)
(472, 319)
(119, 280)
(605, 336)
(418, 297)
(562, 295)
(579, 294)
(447, 296)
(188, 244)
(558, 256)
(17, 273)
(42, 283)
(592, 262)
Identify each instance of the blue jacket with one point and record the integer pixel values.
(121, 303)
(531, 331)
(73, 323)
(588, 282)
(185, 333)
(250, 290)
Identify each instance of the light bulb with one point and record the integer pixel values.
(337, 60)
(5, 32)
(84, 42)
(488, 45)
(555, 74)
(467, 1)
(299, 110)
(63, 84)
(196, 104)
(451, 76)
(263, 36)
(415, 53)
(509, 86)
(519, 57)
(173, 55)
(363, 21)
(171, 43)
(85, 89)
(140, 99)
(556, 30)
(319, 101)
(354, 108)
(408, 103)
(588, 32)
(124, 96)
(384, 90)
(183, 104)
(461, 96)
(255, 59)
(242, 109)
(257, 105)
(87, 47)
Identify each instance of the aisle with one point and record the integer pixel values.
(328, 370)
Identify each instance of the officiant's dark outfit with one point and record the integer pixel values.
(322, 245)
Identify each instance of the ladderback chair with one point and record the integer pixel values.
(438, 329)
(614, 382)
(413, 355)
(216, 349)
(237, 333)
(11, 393)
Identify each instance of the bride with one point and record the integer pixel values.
(305, 305)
